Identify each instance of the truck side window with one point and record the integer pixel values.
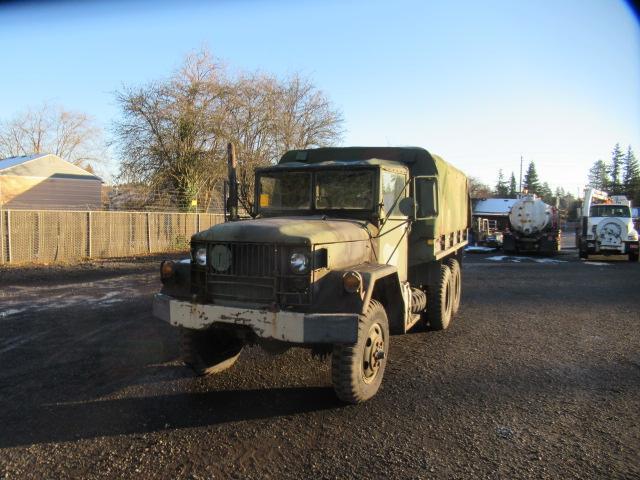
(426, 197)
(392, 191)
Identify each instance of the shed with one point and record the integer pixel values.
(493, 207)
(46, 181)
(492, 214)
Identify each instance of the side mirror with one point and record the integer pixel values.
(407, 207)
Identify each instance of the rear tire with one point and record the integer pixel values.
(584, 254)
(440, 301)
(456, 284)
(357, 370)
(209, 351)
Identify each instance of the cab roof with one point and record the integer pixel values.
(405, 155)
(418, 160)
(371, 162)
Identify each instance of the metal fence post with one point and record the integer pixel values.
(2, 255)
(148, 234)
(89, 233)
(9, 235)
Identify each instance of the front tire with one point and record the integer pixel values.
(456, 284)
(209, 351)
(357, 370)
(633, 256)
(440, 301)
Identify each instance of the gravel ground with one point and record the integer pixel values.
(538, 377)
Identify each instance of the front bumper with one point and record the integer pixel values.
(292, 327)
(594, 246)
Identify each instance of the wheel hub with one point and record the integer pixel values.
(374, 353)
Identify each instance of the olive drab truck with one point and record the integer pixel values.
(346, 247)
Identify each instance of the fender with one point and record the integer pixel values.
(379, 282)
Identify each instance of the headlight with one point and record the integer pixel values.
(299, 262)
(200, 256)
(633, 235)
(352, 282)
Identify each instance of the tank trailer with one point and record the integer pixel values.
(533, 227)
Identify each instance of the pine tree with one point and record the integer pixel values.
(502, 189)
(513, 189)
(598, 175)
(631, 177)
(531, 180)
(615, 169)
(546, 194)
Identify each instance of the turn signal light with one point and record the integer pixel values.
(167, 269)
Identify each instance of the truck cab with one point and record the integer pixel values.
(346, 247)
(607, 226)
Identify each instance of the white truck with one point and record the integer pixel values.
(607, 226)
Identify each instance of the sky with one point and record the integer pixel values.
(479, 83)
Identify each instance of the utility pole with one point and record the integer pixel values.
(520, 187)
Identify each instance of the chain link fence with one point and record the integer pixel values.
(44, 236)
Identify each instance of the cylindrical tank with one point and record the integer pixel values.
(530, 215)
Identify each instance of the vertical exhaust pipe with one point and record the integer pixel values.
(232, 201)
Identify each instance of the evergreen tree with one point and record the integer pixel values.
(531, 180)
(599, 176)
(546, 194)
(631, 177)
(513, 188)
(502, 189)
(615, 170)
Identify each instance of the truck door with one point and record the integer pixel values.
(393, 237)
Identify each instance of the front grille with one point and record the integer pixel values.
(254, 273)
(249, 259)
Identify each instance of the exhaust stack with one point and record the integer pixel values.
(232, 201)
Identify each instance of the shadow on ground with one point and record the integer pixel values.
(150, 414)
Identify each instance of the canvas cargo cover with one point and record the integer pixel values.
(453, 199)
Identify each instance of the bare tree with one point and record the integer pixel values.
(477, 189)
(173, 133)
(52, 129)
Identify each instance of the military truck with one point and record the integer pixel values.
(347, 247)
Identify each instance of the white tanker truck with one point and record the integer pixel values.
(533, 227)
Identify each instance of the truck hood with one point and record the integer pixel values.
(288, 230)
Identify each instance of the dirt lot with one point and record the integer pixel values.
(538, 377)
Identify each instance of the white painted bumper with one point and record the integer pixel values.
(293, 327)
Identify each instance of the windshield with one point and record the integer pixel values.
(610, 211)
(334, 190)
(285, 191)
(345, 190)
